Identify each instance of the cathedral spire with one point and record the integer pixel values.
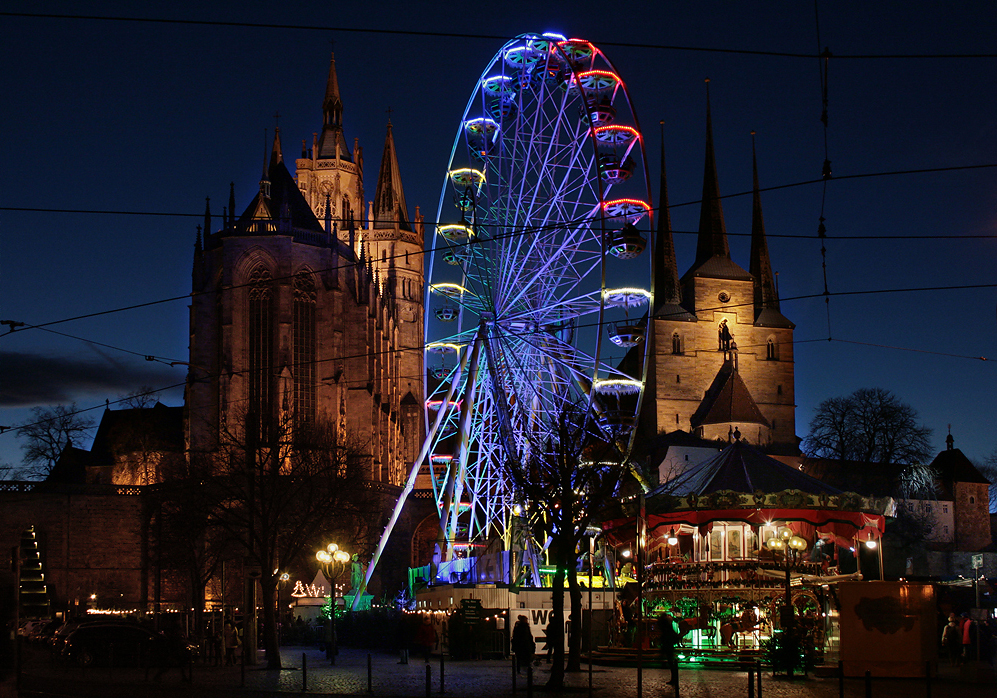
(275, 154)
(666, 278)
(712, 230)
(389, 199)
(760, 266)
(332, 144)
(207, 215)
(231, 205)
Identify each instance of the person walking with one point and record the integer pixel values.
(952, 641)
(523, 645)
(669, 638)
(230, 640)
(425, 636)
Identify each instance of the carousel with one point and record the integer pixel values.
(738, 549)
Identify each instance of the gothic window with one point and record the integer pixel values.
(771, 349)
(347, 212)
(304, 348)
(678, 378)
(261, 340)
(676, 343)
(972, 500)
(778, 390)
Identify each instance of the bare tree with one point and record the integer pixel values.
(278, 497)
(988, 468)
(564, 481)
(140, 399)
(50, 431)
(871, 425)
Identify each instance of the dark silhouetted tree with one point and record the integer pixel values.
(50, 430)
(871, 425)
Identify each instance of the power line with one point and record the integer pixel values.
(478, 36)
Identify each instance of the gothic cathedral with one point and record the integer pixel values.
(302, 307)
(721, 361)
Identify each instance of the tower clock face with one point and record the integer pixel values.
(723, 297)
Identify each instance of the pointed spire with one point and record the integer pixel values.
(276, 155)
(328, 214)
(666, 277)
(265, 177)
(207, 215)
(712, 230)
(389, 209)
(231, 204)
(760, 267)
(197, 242)
(332, 144)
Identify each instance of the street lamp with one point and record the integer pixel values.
(792, 547)
(332, 560)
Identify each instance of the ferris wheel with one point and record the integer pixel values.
(539, 284)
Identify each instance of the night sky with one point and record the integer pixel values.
(150, 118)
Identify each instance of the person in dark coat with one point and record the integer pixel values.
(523, 645)
(669, 638)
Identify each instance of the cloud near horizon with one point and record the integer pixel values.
(31, 380)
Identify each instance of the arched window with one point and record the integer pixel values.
(304, 348)
(676, 343)
(261, 339)
(771, 349)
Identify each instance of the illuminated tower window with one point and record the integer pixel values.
(261, 339)
(771, 350)
(676, 343)
(304, 349)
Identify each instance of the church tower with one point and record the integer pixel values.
(299, 310)
(329, 176)
(722, 352)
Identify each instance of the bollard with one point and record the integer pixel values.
(751, 681)
(304, 672)
(442, 689)
(370, 674)
(758, 678)
(429, 680)
(868, 684)
(927, 679)
(529, 680)
(841, 679)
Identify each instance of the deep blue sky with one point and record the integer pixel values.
(119, 116)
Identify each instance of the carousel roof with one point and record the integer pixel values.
(741, 468)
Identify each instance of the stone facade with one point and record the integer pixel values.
(721, 351)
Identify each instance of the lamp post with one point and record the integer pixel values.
(281, 583)
(792, 547)
(332, 560)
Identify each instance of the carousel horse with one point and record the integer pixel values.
(744, 623)
(700, 622)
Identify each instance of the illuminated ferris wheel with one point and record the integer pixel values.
(539, 283)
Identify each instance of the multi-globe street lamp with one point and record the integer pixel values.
(792, 547)
(332, 560)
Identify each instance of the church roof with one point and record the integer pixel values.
(279, 202)
(742, 468)
(719, 267)
(952, 465)
(728, 401)
(156, 428)
(771, 317)
(389, 197)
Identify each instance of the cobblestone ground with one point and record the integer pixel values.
(476, 679)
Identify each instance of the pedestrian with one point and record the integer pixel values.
(523, 645)
(669, 638)
(402, 637)
(550, 636)
(425, 636)
(951, 641)
(231, 642)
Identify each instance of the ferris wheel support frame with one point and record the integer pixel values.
(410, 482)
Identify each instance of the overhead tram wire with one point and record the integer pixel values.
(822, 64)
(476, 36)
(421, 347)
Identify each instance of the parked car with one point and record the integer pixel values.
(31, 626)
(124, 644)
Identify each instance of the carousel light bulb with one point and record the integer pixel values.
(672, 540)
(871, 544)
(798, 543)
